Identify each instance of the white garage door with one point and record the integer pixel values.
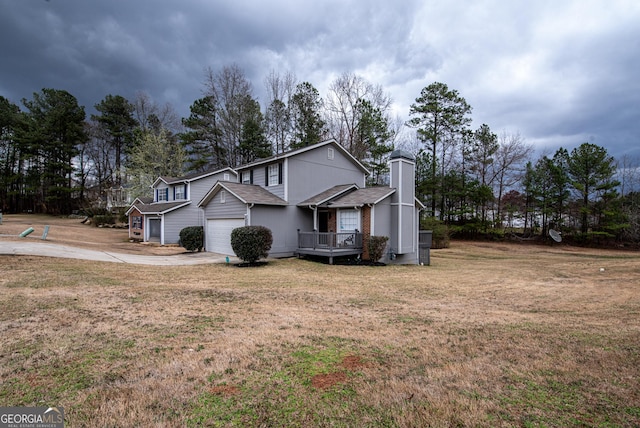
(219, 234)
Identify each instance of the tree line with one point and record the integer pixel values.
(477, 181)
(55, 159)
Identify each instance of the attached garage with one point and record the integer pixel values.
(219, 234)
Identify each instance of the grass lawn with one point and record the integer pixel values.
(489, 335)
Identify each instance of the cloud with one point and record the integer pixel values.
(555, 72)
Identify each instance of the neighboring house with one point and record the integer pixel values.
(118, 199)
(315, 202)
(173, 207)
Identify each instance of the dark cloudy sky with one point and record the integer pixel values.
(559, 72)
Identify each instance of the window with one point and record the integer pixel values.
(274, 174)
(223, 196)
(180, 192)
(246, 177)
(163, 195)
(136, 222)
(226, 176)
(330, 153)
(349, 220)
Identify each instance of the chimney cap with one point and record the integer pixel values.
(398, 154)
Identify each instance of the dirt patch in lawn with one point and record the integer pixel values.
(327, 380)
(72, 231)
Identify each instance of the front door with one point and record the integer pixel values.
(323, 221)
(154, 229)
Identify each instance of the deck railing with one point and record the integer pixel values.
(330, 240)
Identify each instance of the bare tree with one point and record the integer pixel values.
(509, 164)
(278, 122)
(342, 106)
(628, 174)
(153, 117)
(231, 92)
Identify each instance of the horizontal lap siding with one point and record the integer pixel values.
(231, 208)
(199, 188)
(312, 172)
(177, 220)
(284, 223)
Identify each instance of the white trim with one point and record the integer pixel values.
(285, 178)
(372, 217)
(400, 195)
(247, 216)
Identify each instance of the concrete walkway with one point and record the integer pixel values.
(19, 248)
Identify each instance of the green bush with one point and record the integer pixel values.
(191, 238)
(441, 234)
(251, 242)
(102, 219)
(376, 246)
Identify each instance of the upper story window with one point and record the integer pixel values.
(246, 177)
(274, 174)
(180, 192)
(330, 153)
(162, 195)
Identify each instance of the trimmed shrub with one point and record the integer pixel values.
(376, 246)
(251, 242)
(192, 238)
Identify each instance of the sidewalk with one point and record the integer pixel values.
(45, 249)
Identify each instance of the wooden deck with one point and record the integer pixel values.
(329, 244)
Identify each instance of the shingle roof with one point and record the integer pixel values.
(160, 207)
(254, 194)
(192, 176)
(246, 193)
(369, 195)
(327, 195)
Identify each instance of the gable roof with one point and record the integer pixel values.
(360, 197)
(327, 195)
(246, 193)
(191, 176)
(295, 152)
(157, 208)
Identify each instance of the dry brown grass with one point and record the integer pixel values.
(489, 335)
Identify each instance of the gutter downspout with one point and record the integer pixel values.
(315, 216)
(247, 216)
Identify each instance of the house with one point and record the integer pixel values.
(118, 199)
(173, 206)
(315, 202)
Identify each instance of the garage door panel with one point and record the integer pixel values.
(219, 234)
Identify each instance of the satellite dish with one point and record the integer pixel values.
(555, 235)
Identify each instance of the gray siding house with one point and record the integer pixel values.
(173, 207)
(315, 202)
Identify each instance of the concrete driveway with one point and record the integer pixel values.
(19, 248)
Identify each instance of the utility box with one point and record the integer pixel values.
(425, 238)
